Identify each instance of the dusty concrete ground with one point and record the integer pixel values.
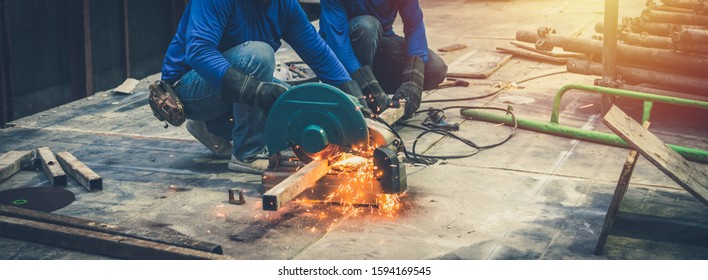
(535, 197)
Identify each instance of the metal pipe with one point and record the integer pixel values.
(635, 75)
(625, 53)
(692, 154)
(609, 43)
(675, 18)
(638, 25)
(691, 35)
(686, 4)
(662, 92)
(622, 93)
(648, 41)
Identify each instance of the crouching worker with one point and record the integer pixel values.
(221, 62)
(361, 35)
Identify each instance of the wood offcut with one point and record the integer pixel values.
(80, 172)
(694, 180)
(12, 162)
(295, 184)
(51, 167)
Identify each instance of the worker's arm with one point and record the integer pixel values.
(334, 25)
(206, 24)
(414, 28)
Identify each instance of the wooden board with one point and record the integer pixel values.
(51, 167)
(620, 190)
(62, 220)
(477, 64)
(392, 115)
(561, 54)
(80, 172)
(95, 242)
(653, 149)
(12, 161)
(295, 184)
(127, 86)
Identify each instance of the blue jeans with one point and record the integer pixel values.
(243, 124)
(388, 55)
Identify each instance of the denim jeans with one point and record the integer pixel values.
(202, 101)
(388, 55)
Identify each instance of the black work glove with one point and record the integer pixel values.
(412, 87)
(239, 87)
(375, 95)
(352, 89)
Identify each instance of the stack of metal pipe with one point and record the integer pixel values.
(666, 46)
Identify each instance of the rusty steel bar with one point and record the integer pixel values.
(664, 59)
(609, 43)
(675, 18)
(634, 75)
(126, 40)
(692, 36)
(88, 50)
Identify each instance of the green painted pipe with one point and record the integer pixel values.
(576, 133)
(624, 93)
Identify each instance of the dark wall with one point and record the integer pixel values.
(53, 52)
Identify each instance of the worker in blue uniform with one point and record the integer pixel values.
(221, 63)
(360, 33)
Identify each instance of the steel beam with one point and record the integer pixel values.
(609, 43)
(5, 85)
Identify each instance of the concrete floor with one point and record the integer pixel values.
(535, 197)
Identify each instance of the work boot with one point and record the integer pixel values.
(220, 147)
(252, 165)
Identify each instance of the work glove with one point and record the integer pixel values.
(411, 89)
(239, 87)
(376, 98)
(351, 88)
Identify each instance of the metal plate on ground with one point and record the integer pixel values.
(45, 199)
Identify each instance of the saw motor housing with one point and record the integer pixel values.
(318, 121)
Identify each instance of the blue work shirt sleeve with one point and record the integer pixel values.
(413, 28)
(205, 27)
(334, 25)
(313, 50)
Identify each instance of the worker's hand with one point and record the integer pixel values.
(376, 98)
(268, 93)
(351, 88)
(412, 94)
(412, 87)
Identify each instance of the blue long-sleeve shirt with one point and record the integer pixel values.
(210, 27)
(334, 25)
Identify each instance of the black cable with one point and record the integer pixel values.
(428, 159)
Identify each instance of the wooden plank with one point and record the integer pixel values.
(533, 55)
(452, 48)
(12, 161)
(62, 220)
(653, 149)
(477, 64)
(392, 115)
(620, 190)
(80, 172)
(51, 167)
(96, 242)
(295, 184)
(323, 189)
(127, 86)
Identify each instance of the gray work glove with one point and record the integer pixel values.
(411, 89)
(376, 98)
(351, 88)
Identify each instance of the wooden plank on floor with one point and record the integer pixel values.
(477, 64)
(51, 167)
(620, 190)
(694, 180)
(80, 172)
(532, 55)
(62, 220)
(12, 161)
(96, 242)
(295, 184)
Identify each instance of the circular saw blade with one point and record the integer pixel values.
(316, 121)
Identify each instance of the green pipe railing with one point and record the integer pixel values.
(555, 128)
(647, 97)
